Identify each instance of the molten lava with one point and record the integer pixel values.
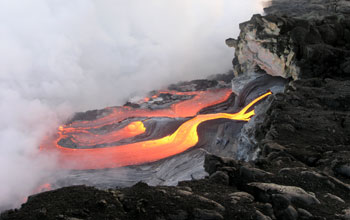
(140, 152)
(83, 137)
(187, 108)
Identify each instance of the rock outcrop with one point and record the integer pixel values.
(293, 47)
(308, 9)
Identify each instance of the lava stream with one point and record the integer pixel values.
(87, 138)
(187, 108)
(81, 133)
(182, 139)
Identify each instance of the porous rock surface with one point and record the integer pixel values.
(293, 47)
(308, 9)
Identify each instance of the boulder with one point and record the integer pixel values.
(292, 193)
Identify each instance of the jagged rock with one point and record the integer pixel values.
(194, 85)
(267, 209)
(339, 183)
(306, 9)
(231, 42)
(241, 196)
(184, 192)
(251, 51)
(218, 207)
(212, 163)
(102, 204)
(186, 188)
(343, 170)
(287, 214)
(292, 193)
(345, 214)
(279, 201)
(220, 177)
(181, 215)
(261, 216)
(304, 214)
(334, 198)
(289, 47)
(204, 214)
(253, 173)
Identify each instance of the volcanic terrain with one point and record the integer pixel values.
(268, 140)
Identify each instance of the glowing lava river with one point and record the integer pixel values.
(82, 132)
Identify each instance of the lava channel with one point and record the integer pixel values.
(141, 152)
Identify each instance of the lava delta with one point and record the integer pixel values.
(117, 137)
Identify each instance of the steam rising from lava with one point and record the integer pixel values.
(58, 57)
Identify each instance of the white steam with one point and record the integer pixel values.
(62, 56)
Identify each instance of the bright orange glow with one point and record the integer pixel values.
(42, 188)
(182, 139)
(187, 108)
(83, 137)
(146, 99)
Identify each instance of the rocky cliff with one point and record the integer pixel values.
(301, 136)
(293, 47)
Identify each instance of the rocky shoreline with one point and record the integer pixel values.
(303, 166)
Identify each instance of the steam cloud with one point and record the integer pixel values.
(62, 56)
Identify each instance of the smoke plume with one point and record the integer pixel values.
(62, 56)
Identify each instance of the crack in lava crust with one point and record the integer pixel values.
(181, 140)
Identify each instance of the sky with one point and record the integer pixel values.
(63, 56)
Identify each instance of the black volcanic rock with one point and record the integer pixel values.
(89, 115)
(196, 85)
(308, 9)
(187, 201)
(293, 47)
(302, 138)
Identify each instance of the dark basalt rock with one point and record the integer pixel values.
(308, 9)
(188, 201)
(302, 136)
(220, 177)
(343, 170)
(89, 115)
(293, 47)
(194, 85)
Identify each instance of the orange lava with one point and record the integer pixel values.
(187, 108)
(182, 139)
(84, 137)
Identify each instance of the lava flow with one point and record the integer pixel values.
(186, 108)
(140, 152)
